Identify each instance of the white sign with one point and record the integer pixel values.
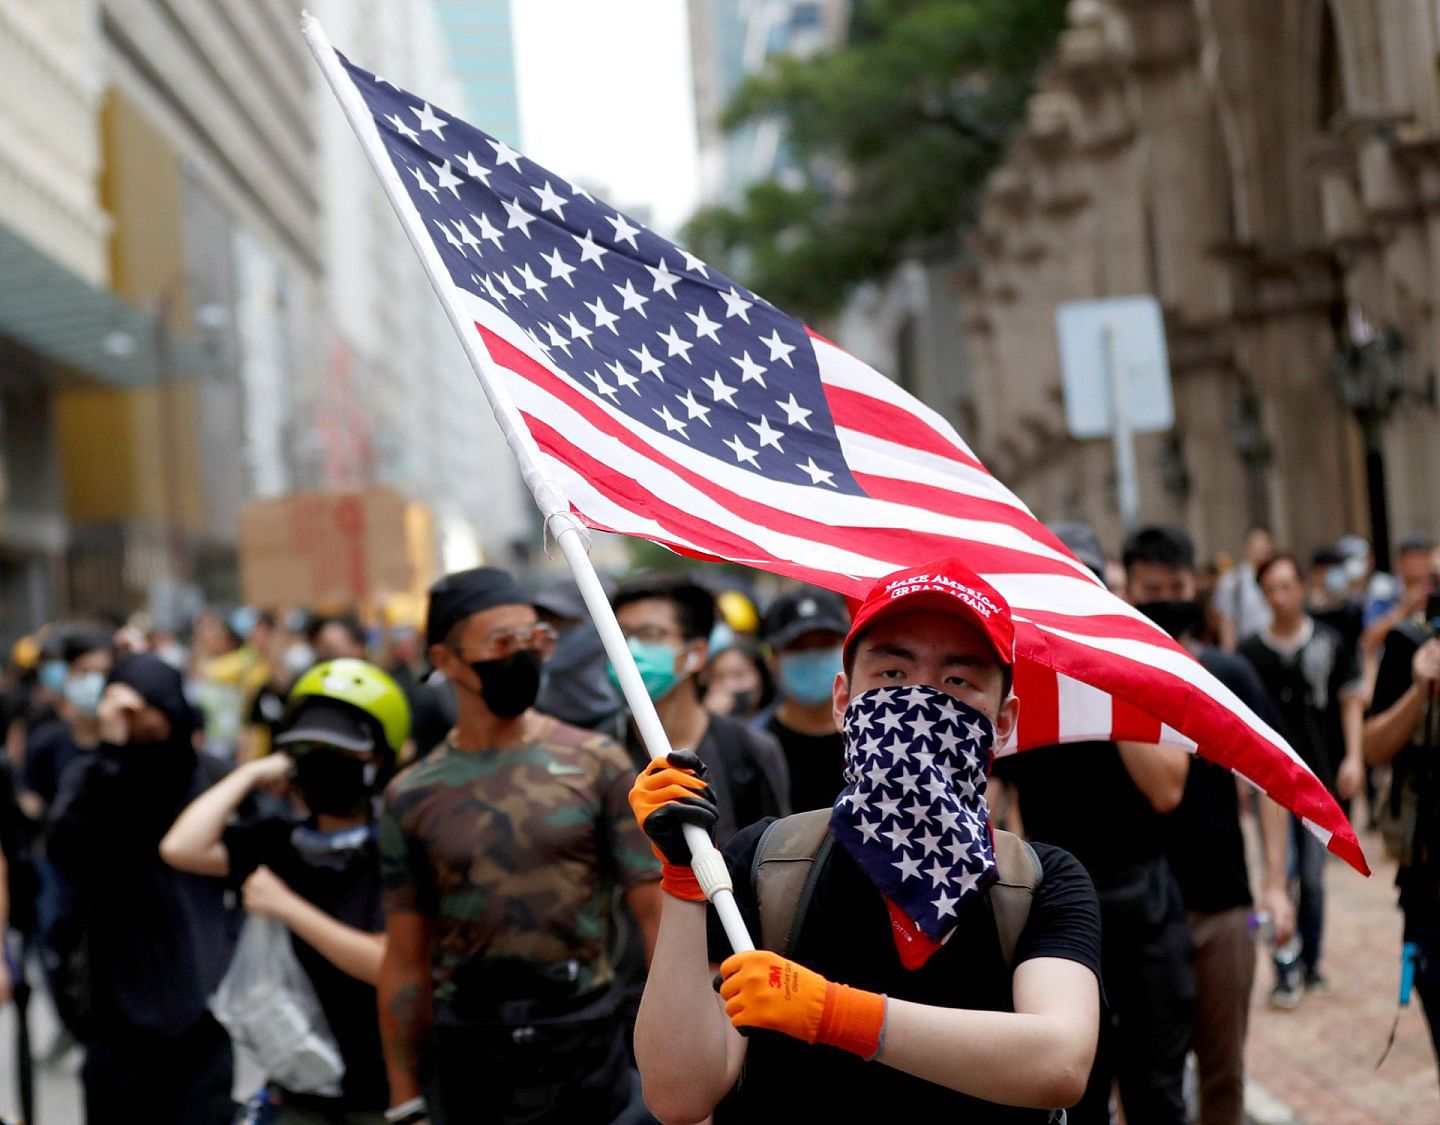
(1119, 338)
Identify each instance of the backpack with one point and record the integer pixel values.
(792, 853)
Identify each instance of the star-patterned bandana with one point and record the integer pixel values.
(913, 815)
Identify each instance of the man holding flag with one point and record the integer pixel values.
(902, 989)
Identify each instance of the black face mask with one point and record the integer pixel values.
(509, 686)
(334, 783)
(1180, 619)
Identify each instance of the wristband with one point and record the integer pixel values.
(680, 881)
(407, 1113)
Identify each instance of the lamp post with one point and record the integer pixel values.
(1247, 435)
(1370, 370)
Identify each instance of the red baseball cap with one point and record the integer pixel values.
(946, 586)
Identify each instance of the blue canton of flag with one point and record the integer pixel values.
(913, 815)
(631, 318)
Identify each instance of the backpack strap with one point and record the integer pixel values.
(788, 860)
(1013, 892)
(792, 853)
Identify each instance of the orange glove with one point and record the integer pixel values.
(669, 794)
(763, 989)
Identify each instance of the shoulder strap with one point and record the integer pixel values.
(1013, 892)
(788, 860)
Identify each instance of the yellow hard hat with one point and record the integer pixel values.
(738, 611)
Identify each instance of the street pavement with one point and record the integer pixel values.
(1316, 1064)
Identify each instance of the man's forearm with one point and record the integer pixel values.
(1011, 1058)
(1275, 837)
(404, 997)
(1159, 772)
(688, 1053)
(1387, 733)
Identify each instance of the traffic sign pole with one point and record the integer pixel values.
(1127, 476)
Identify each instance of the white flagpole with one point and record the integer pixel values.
(570, 535)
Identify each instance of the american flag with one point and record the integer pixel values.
(663, 400)
(912, 814)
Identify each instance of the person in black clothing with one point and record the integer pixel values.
(1204, 842)
(1314, 680)
(88, 654)
(154, 942)
(1105, 803)
(805, 630)
(1403, 730)
(882, 1009)
(576, 689)
(319, 874)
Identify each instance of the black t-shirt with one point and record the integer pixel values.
(816, 763)
(350, 894)
(846, 937)
(1203, 838)
(1419, 884)
(1079, 797)
(48, 751)
(1306, 686)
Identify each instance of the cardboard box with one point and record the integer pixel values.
(324, 550)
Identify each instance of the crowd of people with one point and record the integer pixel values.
(485, 886)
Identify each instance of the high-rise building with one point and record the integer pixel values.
(482, 49)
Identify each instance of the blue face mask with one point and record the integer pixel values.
(53, 674)
(809, 677)
(656, 661)
(83, 692)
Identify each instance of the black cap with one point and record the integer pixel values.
(331, 723)
(1417, 542)
(466, 593)
(560, 598)
(804, 611)
(1327, 556)
(1084, 544)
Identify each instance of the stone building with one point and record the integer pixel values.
(1271, 173)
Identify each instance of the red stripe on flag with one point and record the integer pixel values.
(855, 410)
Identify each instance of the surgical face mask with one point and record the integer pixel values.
(913, 814)
(721, 637)
(809, 677)
(334, 782)
(656, 661)
(1336, 580)
(53, 674)
(509, 686)
(83, 692)
(1180, 619)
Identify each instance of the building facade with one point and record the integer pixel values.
(1271, 173)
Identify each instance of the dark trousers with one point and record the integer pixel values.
(1422, 926)
(576, 1074)
(133, 1074)
(1149, 988)
(1224, 975)
(1307, 867)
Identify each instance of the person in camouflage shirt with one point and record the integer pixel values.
(500, 853)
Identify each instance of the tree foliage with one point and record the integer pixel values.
(888, 140)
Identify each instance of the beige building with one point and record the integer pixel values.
(1271, 172)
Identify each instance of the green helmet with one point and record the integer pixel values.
(363, 686)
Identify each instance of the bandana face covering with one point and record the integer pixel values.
(913, 815)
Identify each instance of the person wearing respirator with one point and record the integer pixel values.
(320, 875)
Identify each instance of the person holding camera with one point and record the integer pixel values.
(1403, 730)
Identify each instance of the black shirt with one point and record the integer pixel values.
(846, 937)
(1203, 838)
(1306, 686)
(1079, 797)
(48, 750)
(816, 763)
(1415, 765)
(350, 894)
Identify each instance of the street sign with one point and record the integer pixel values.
(1140, 363)
(1116, 377)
